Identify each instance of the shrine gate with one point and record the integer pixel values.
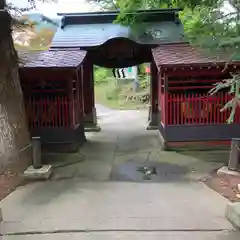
(181, 77)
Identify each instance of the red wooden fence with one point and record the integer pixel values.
(196, 109)
(52, 111)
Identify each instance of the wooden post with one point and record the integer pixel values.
(37, 158)
(153, 108)
(234, 158)
(88, 94)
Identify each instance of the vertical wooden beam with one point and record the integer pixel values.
(90, 116)
(71, 109)
(153, 108)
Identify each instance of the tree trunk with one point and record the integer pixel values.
(14, 135)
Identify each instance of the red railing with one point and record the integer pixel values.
(196, 109)
(53, 111)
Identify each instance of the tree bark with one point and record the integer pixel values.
(14, 135)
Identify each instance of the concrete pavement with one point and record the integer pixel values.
(104, 197)
(123, 145)
(72, 206)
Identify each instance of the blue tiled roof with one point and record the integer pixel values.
(77, 32)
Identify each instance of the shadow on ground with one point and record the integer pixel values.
(124, 145)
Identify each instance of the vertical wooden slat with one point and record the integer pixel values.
(214, 107)
(174, 102)
(170, 109)
(34, 109)
(163, 108)
(64, 112)
(165, 76)
(30, 107)
(59, 111)
(211, 111)
(44, 122)
(67, 123)
(200, 104)
(48, 113)
(218, 110)
(54, 112)
(207, 111)
(197, 107)
(177, 104)
(182, 113)
(225, 112)
(190, 108)
(166, 108)
(36, 112)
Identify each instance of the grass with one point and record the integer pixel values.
(112, 96)
(118, 95)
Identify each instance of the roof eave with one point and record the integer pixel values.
(206, 64)
(104, 13)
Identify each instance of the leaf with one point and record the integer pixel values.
(229, 104)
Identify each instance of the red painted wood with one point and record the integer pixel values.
(180, 113)
(190, 87)
(166, 101)
(88, 88)
(50, 98)
(197, 72)
(197, 143)
(196, 109)
(170, 110)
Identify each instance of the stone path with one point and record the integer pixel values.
(105, 197)
(124, 145)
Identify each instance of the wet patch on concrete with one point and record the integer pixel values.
(136, 171)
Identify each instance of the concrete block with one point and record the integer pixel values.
(162, 141)
(92, 128)
(225, 171)
(233, 213)
(150, 127)
(42, 173)
(153, 121)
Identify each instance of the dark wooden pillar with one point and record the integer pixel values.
(90, 116)
(153, 108)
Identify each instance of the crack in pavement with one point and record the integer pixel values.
(113, 230)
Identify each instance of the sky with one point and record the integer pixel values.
(64, 6)
(51, 10)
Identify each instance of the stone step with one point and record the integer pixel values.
(233, 213)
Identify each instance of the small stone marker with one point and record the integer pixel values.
(233, 162)
(37, 171)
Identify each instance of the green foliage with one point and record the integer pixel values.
(43, 38)
(233, 84)
(120, 94)
(113, 92)
(102, 75)
(211, 30)
(144, 82)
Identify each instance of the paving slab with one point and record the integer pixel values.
(73, 205)
(233, 213)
